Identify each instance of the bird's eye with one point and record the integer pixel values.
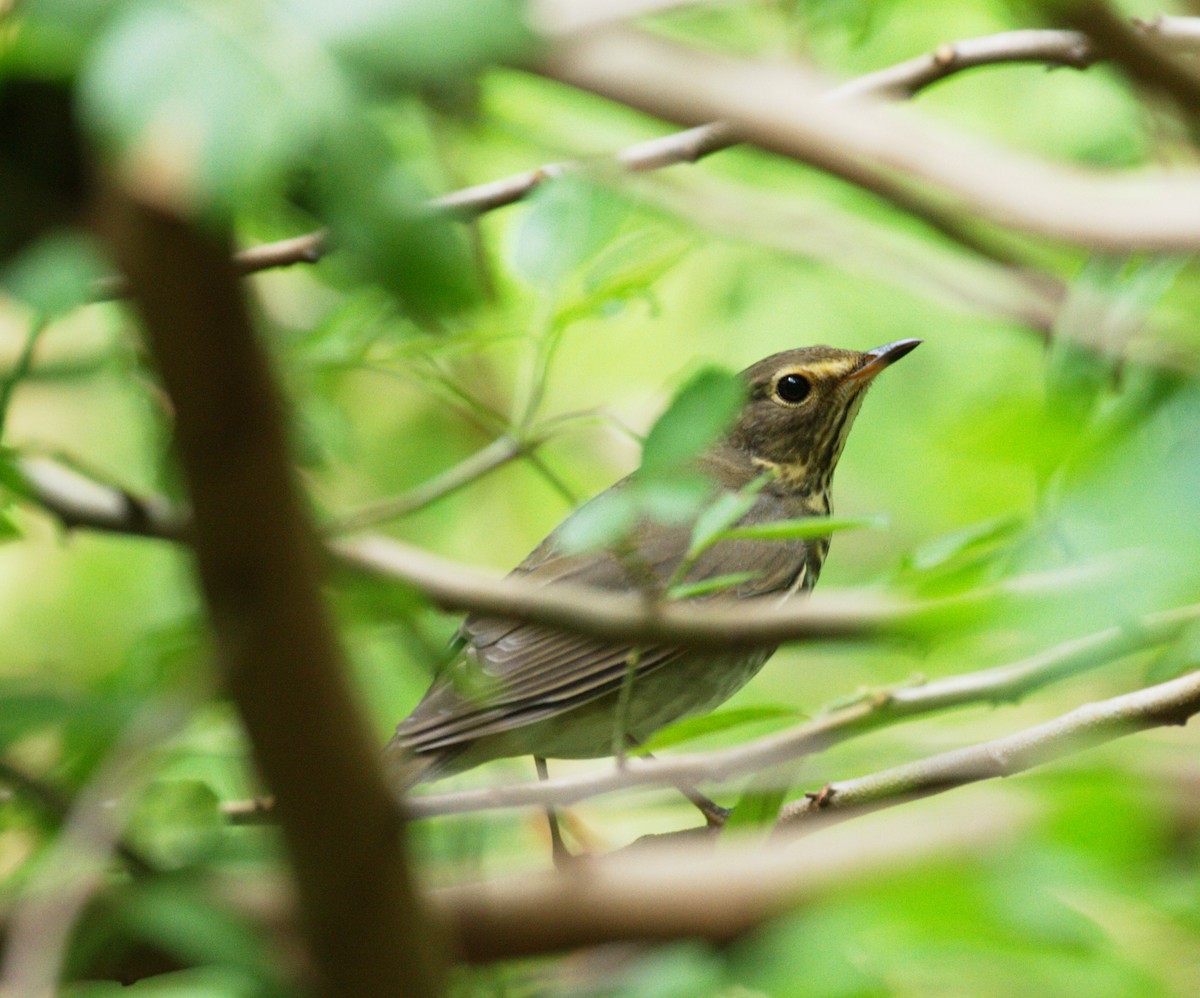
(792, 388)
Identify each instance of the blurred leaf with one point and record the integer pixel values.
(627, 268)
(674, 500)
(701, 411)
(569, 219)
(25, 708)
(55, 274)
(599, 523)
(417, 41)
(379, 217)
(196, 982)
(941, 550)
(801, 529)
(715, 584)
(10, 527)
(691, 728)
(224, 130)
(1180, 656)
(178, 822)
(725, 511)
(182, 917)
(759, 804)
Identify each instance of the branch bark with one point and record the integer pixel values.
(1003, 684)
(258, 567)
(776, 107)
(1093, 724)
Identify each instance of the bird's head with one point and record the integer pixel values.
(800, 405)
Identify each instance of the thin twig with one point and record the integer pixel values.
(1003, 684)
(1170, 703)
(908, 78)
(776, 108)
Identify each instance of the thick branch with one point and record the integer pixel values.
(905, 79)
(657, 894)
(1003, 684)
(1093, 724)
(775, 107)
(258, 566)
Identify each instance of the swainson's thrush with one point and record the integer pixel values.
(518, 688)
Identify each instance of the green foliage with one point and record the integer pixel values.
(1032, 495)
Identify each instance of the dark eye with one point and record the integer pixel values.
(793, 388)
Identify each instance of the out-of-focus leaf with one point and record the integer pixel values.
(1180, 656)
(211, 136)
(55, 274)
(567, 222)
(627, 268)
(674, 500)
(691, 728)
(379, 218)
(678, 970)
(178, 822)
(759, 805)
(701, 411)
(196, 982)
(182, 917)
(705, 587)
(10, 527)
(937, 552)
(725, 511)
(801, 529)
(600, 523)
(24, 710)
(416, 41)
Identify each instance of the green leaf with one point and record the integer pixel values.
(599, 523)
(568, 221)
(219, 133)
(701, 411)
(178, 822)
(674, 500)
(10, 528)
(944, 549)
(758, 806)
(55, 274)
(691, 728)
(728, 508)
(716, 584)
(410, 42)
(801, 529)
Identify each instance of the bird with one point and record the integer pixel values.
(513, 688)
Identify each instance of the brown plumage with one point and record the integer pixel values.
(517, 688)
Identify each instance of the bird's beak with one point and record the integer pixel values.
(881, 357)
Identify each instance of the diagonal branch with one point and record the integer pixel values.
(906, 79)
(1173, 702)
(776, 107)
(1003, 684)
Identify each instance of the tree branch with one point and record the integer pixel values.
(776, 108)
(905, 79)
(259, 573)
(658, 894)
(1004, 684)
(1093, 724)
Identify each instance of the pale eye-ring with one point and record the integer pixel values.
(792, 388)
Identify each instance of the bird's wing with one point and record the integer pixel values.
(513, 673)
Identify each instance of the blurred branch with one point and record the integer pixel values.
(80, 502)
(57, 805)
(1004, 684)
(658, 894)
(495, 455)
(819, 231)
(258, 567)
(775, 107)
(905, 79)
(49, 905)
(1139, 52)
(1170, 703)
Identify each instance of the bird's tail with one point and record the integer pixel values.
(405, 769)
